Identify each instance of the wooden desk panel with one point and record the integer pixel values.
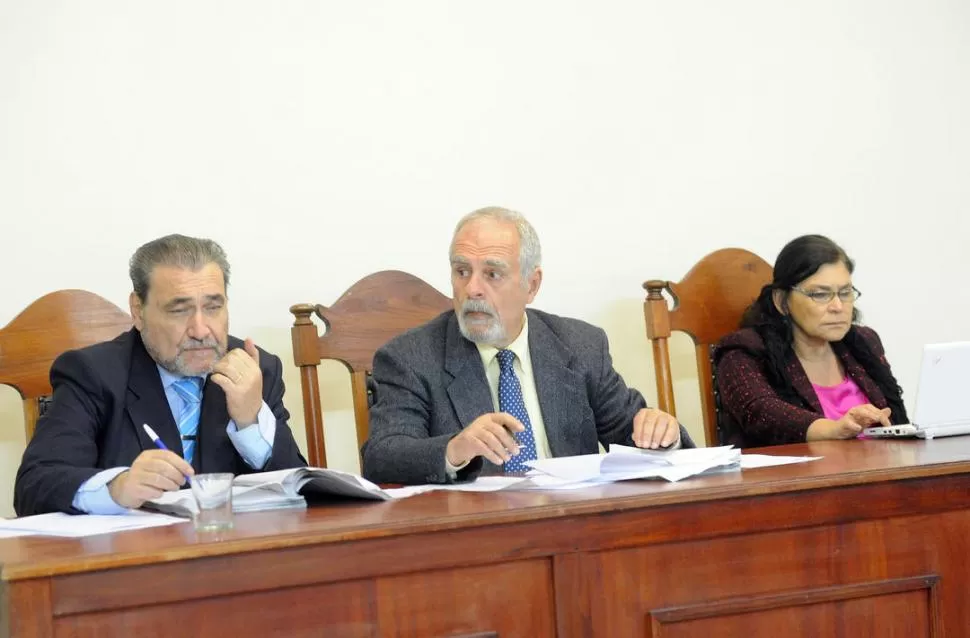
(345, 609)
(902, 614)
(833, 571)
(810, 549)
(509, 598)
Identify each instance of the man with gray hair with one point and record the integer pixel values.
(490, 385)
(215, 402)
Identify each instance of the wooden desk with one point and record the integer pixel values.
(873, 540)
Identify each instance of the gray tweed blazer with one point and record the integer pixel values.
(430, 383)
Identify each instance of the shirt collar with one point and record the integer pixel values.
(520, 346)
(168, 378)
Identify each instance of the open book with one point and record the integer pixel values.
(278, 490)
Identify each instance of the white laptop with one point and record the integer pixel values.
(942, 405)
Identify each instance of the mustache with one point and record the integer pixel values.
(478, 305)
(193, 344)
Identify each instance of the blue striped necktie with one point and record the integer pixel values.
(510, 400)
(189, 390)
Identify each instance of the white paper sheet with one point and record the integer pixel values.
(11, 533)
(575, 468)
(749, 461)
(623, 463)
(66, 525)
(482, 484)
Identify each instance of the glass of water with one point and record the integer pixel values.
(213, 500)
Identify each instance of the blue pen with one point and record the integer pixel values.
(158, 442)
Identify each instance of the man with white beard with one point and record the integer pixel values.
(490, 385)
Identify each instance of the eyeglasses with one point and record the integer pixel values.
(822, 297)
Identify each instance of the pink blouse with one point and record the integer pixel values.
(836, 400)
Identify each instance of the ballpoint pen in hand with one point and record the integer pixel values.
(157, 441)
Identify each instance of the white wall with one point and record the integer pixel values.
(320, 141)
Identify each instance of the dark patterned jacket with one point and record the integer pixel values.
(753, 411)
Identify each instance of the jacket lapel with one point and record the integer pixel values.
(858, 374)
(560, 389)
(146, 402)
(852, 369)
(468, 390)
(801, 383)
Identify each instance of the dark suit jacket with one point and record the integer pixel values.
(102, 396)
(431, 383)
(754, 414)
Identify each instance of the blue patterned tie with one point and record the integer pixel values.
(189, 390)
(510, 400)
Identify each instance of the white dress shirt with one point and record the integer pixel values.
(254, 444)
(522, 366)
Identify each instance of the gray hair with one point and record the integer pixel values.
(190, 253)
(530, 252)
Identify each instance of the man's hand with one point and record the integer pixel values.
(239, 376)
(490, 435)
(153, 472)
(653, 428)
(850, 425)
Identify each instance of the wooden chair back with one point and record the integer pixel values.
(708, 304)
(372, 312)
(57, 322)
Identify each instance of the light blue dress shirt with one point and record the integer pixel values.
(254, 444)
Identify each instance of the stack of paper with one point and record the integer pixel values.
(623, 463)
(244, 499)
(312, 481)
(281, 489)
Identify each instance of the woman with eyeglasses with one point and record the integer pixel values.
(801, 368)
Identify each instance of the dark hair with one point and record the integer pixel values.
(798, 260)
(191, 253)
